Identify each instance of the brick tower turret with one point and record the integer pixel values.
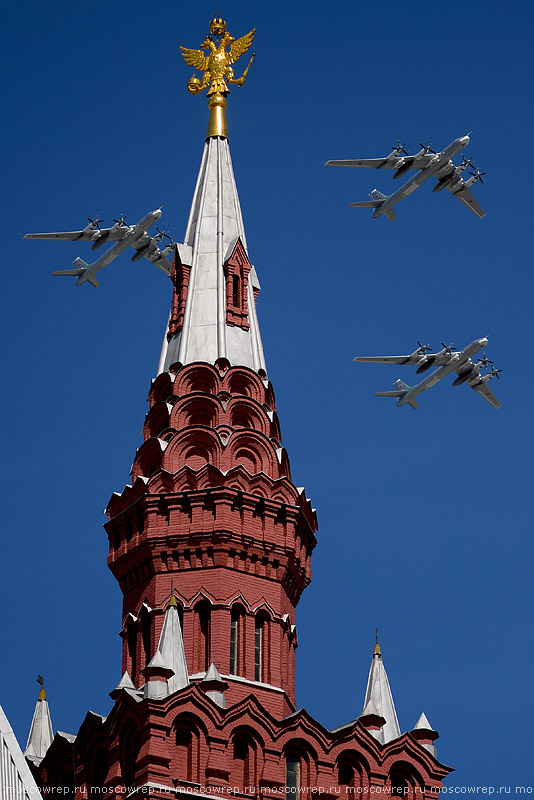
(211, 546)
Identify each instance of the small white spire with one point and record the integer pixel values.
(125, 682)
(379, 695)
(424, 733)
(171, 647)
(41, 734)
(214, 686)
(423, 724)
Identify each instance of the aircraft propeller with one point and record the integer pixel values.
(95, 222)
(466, 162)
(163, 233)
(427, 148)
(484, 361)
(495, 373)
(423, 347)
(120, 221)
(447, 347)
(477, 175)
(399, 148)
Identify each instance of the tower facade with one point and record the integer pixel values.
(211, 546)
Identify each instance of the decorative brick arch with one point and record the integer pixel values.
(197, 378)
(351, 771)
(196, 410)
(404, 780)
(189, 733)
(129, 741)
(148, 458)
(162, 389)
(246, 747)
(307, 756)
(193, 447)
(244, 382)
(157, 420)
(244, 412)
(251, 449)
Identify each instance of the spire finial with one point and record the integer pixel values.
(172, 598)
(217, 69)
(377, 651)
(42, 693)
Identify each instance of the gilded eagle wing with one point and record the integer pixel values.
(195, 58)
(239, 47)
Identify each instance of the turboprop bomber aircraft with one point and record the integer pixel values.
(134, 235)
(448, 360)
(427, 162)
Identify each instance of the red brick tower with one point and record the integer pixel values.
(211, 546)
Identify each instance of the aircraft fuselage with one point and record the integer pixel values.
(455, 361)
(134, 232)
(420, 177)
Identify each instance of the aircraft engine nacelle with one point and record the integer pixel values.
(441, 184)
(462, 377)
(143, 251)
(99, 241)
(425, 363)
(403, 168)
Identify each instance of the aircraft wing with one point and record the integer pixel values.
(385, 163)
(466, 197)
(108, 234)
(148, 248)
(160, 261)
(388, 359)
(485, 392)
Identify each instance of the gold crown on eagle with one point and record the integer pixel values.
(217, 26)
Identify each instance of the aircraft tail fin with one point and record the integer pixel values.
(376, 195)
(75, 272)
(376, 202)
(399, 393)
(366, 204)
(401, 389)
(93, 281)
(80, 269)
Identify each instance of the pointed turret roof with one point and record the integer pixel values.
(424, 733)
(214, 686)
(41, 734)
(423, 724)
(214, 231)
(379, 699)
(124, 683)
(170, 650)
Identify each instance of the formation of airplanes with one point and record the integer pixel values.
(447, 360)
(426, 163)
(123, 235)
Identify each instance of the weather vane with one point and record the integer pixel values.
(217, 69)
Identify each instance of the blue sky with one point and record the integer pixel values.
(425, 517)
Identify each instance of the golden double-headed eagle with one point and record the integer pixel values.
(217, 64)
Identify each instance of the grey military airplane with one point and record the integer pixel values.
(134, 235)
(427, 162)
(448, 360)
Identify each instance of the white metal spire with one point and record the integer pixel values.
(16, 779)
(171, 648)
(379, 698)
(215, 224)
(41, 734)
